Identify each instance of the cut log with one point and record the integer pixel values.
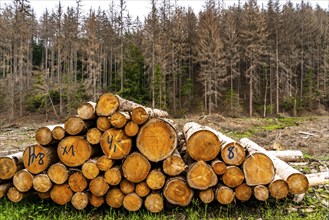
(154, 203)
(99, 186)
(73, 151)
(77, 182)
(114, 198)
(58, 133)
(224, 195)
(96, 201)
(316, 179)
(4, 187)
(104, 163)
(43, 136)
(201, 176)
(278, 188)
(156, 179)
(288, 155)
(177, 192)
(61, 194)
(136, 167)
(131, 129)
(15, 195)
(23, 180)
(42, 183)
(113, 176)
(156, 140)
(233, 176)
(132, 202)
(107, 104)
(201, 141)
(207, 196)
(127, 187)
(174, 164)
(37, 158)
(90, 169)
(93, 136)
(58, 173)
(243, 192)
(87, 110)
(103, 123)
(80, 200)
(261, 193)
(258, 169)
(115, 143)
(44, 195)
(218, 166)
(297, 182)
(142, 114)
(10, 164)
(75, 125)
(119, 119)
(142, 189)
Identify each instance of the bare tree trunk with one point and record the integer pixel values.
(277, 72)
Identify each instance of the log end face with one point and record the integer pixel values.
(201, 176)
(136, 168)
(8, 168)
(107, 104)
(279, 189)
(139, 115)
(35, 159)
(298, 183)
(233, 154)
(86, 111)
(74, 125)
(43, 136)
(115, 143)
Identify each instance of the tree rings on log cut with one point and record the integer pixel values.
(154, 203)
(114, 198)
(243, 192)
(107, 104)
(115, 143)
(224, 195)
(136, 167)
(201, 176)
(61, 194)
(37, 158)
(233, 154)
(177, 192)
(43, 136)
(233, 176)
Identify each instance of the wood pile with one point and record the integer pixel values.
(122, 154)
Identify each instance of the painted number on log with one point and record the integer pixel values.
(32, 156)
(230, 152)
(67, 151)
(110, 143)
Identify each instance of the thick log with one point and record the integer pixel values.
(58, 173)
(107, 104)
(131, 129)
(142, 114)
(258, 169)
(93, 136)
(127, 187)
(154, 203)
(103, 123)
(201, 176)
(75, 125)
(297, 182)
(58, 133)
(142, 189)
(90, 169)
(119, 119)
(233, 176)
(80, 200)
(4, 187)
(10, 164)
(261, 193)
(115, 143)
(73, 151)
(114, 198)
(156, 179)
(87, 110)
(15, 195)
(132, 202)
(288, 155)
(77, 182)
(42, 183)
(201, 141)
(44, 195)
(23, 180)
(177, 192)
(278, 188)
(136, 167)
(113, 176)
(224, 195)
(174, 164)
(104, 163)
(218, 166)
(61, 194)
(243, 192)
(99, 186)
(96, 201)
(316, 179)
(156, 140)
(37, 158)
(207, 196)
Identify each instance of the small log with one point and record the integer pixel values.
(77, 182)
(58, 133)
(207, 196)
(15, 195)
(201, 176)
(114, 198)
(142, 114)
(127, 187)
(233, 176)
(177, 192)
(80, 200)
(136, 167)
(107, 104)
(261, 193)
(90, 169)
(73, 151)
(96, 201)
(201, 141)
(113, 176)
(115, 143)
(224, 195)
(297, 182)
(132, 202)
(44, 136)
(10, 164)
(4, 187)
(23, 180)
(288, 155)
(93, 136)
(156, 140)
(103, 123)
(316, 179)
(174, 164)
(75, 125)
(99, 186)
(142, 189)
(37, 158)
(104, 163)
(44, 195)
(61, 194)
(131, 129)
(42, 183)
(243, 192)
(87, 110)
(58, 173)
(156, 179)
(119, 119)
(218, 166)
(278, 188)
(154, 203)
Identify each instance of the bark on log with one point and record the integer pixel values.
(297, 182)
(96, 201)
(132, 202)
(156, 179)
(131, 129)
(201, 176)
(261, 193)
(23, 180)
(61, 194)
(113, 176)
(58, 173)
(93, 136)
(278, 188)
(15, 195)
(243, 192)
(90, 169)
(142, 114)
(154, 203)
(99, 186)
(80, 200)
(224, 195)
(174, 164)
(77, 182)
(201, 141)
(136, 167)
(218, 166)
(104, 163)
(10, 164)
(114, 198)
(115, 143)
(42, 183)
(288, 155)
(119, 119)
(156, 140)
(75, 125)
(103, 123)
(87, 110)
(37, 158)
(58, 133)
(142, 189)
(177, 192)
(316, 179)
(233, 176)
(207, 196)
(4, 187)
(127, 187)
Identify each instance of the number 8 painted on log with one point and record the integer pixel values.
(231, 153)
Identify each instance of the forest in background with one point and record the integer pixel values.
(246, 59)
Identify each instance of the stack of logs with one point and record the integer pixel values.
(121, 153)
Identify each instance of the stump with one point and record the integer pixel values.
(115, 143)
(77, 182)
(177, 192)
(132, 202)
(201, 176)
(136, 167)
(233, 176)
(154, 203)
(61, 194)
(114, 198)
(58, 173)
